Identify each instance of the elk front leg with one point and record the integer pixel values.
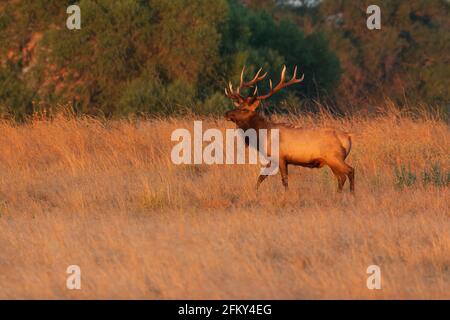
(284, 174)
(261, 178)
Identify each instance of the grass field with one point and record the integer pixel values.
(104, 195)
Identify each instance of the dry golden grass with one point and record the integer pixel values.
(105, 196)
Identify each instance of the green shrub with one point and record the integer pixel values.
(404, 176)
(155, 57)
(147, 95)
(435, 176)
(15, 96)
(216, 104)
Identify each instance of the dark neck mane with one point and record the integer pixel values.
(258, 121)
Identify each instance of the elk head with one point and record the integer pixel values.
(245, 107)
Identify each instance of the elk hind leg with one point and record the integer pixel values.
(351, 177)
(339, 173)
(284, 174)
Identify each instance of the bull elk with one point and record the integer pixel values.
(306, 147)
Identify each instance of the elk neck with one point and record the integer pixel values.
(256, 121)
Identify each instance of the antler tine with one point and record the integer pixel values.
(235, 94)
(252, 82)
(242, 77)
(255, 92)
(282, 84)
(302, 78)
(230, 93)
(294, 77)
(257, 78)
(283, 74)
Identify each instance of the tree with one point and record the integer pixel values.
(255, 39)
(150, 56)
(408, 57)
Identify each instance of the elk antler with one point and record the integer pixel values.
(236, 94)
(282, 84)
(252, 82)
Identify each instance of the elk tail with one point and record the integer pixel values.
(346, 141)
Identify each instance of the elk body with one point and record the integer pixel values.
(306, 147)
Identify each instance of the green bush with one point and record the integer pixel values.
(255, 39)
(15, 96)
(147, 95)
(435, 176)
(142, 95)
(155, 57)
(216, 104)
(404, 176)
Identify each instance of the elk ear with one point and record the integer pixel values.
(253, 105)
